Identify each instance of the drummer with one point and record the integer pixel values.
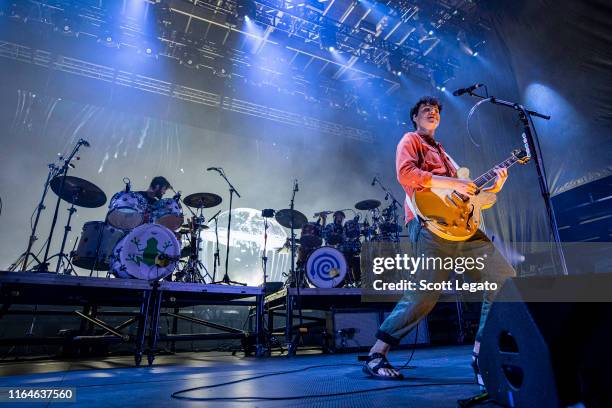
(158, 187)
(339, 217)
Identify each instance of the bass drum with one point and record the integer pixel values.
(149, 252)
(96, 238)
(326, 268)
(127, 210)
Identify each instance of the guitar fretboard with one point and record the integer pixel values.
(490, 175)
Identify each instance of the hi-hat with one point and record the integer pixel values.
(202, 200)
(284, 218)
(367, 205)
(79, 192)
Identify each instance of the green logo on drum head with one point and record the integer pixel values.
(149, 252)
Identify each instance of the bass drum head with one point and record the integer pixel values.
(326, 268)
(149, 252)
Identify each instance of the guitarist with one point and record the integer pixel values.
(421, 162)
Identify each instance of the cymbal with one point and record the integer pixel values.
(186, 228)
(284, 218)
(367, 205)
(202, 200)
(78, 191)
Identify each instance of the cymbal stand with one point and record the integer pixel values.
(24, 257)
(63, 172)
(61, 255)
(226, 279)
(194, 268)
(395, 205)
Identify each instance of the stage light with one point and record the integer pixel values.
(394, 63)
(327, 37)
(475, 54)
(431, 32)
(246, 9)
(190, 58)
(332, 49)
(443, 89)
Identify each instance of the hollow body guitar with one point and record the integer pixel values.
(453, 216)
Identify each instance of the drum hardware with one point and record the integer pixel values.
(390, 214)
(79, 192)
(60, 173)
(195, 271)
(293, 219)
(226, 279)
(54, 171)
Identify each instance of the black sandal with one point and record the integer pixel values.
(383, 363)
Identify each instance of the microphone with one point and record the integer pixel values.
(84, 142)
(374, 180)
(469, 89)
(296, 187)
(177, 196)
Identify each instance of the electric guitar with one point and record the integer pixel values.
(454, 216)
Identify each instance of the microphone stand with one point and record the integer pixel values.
(226, 280)
(216, 257)
(525, 116)
(292, 346)
(63, 172)
(53, 171)
(394, 203)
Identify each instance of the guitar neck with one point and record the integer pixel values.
(490, 175)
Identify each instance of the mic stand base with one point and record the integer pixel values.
(227, 281)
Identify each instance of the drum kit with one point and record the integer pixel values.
(136, 240)
(143, 241)
(328, 254)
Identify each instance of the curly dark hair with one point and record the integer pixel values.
(159, 181)
(425, 100)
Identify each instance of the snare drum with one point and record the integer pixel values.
(169, 213)
(96, 238)
(311, 235)
(149, 252)
(127, 210)
(326, 268)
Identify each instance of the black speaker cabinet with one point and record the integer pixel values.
(548, 354)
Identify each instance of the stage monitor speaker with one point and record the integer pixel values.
(547, 354)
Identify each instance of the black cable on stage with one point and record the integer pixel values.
(177, 394)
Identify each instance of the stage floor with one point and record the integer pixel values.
(115, 382)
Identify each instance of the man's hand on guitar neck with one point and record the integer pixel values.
(462, 186)
(502, 175)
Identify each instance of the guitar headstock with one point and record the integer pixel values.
(522, 156)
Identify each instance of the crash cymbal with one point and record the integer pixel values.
(367, 205)
(202, 200)
(79, 192)
(284, 218)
